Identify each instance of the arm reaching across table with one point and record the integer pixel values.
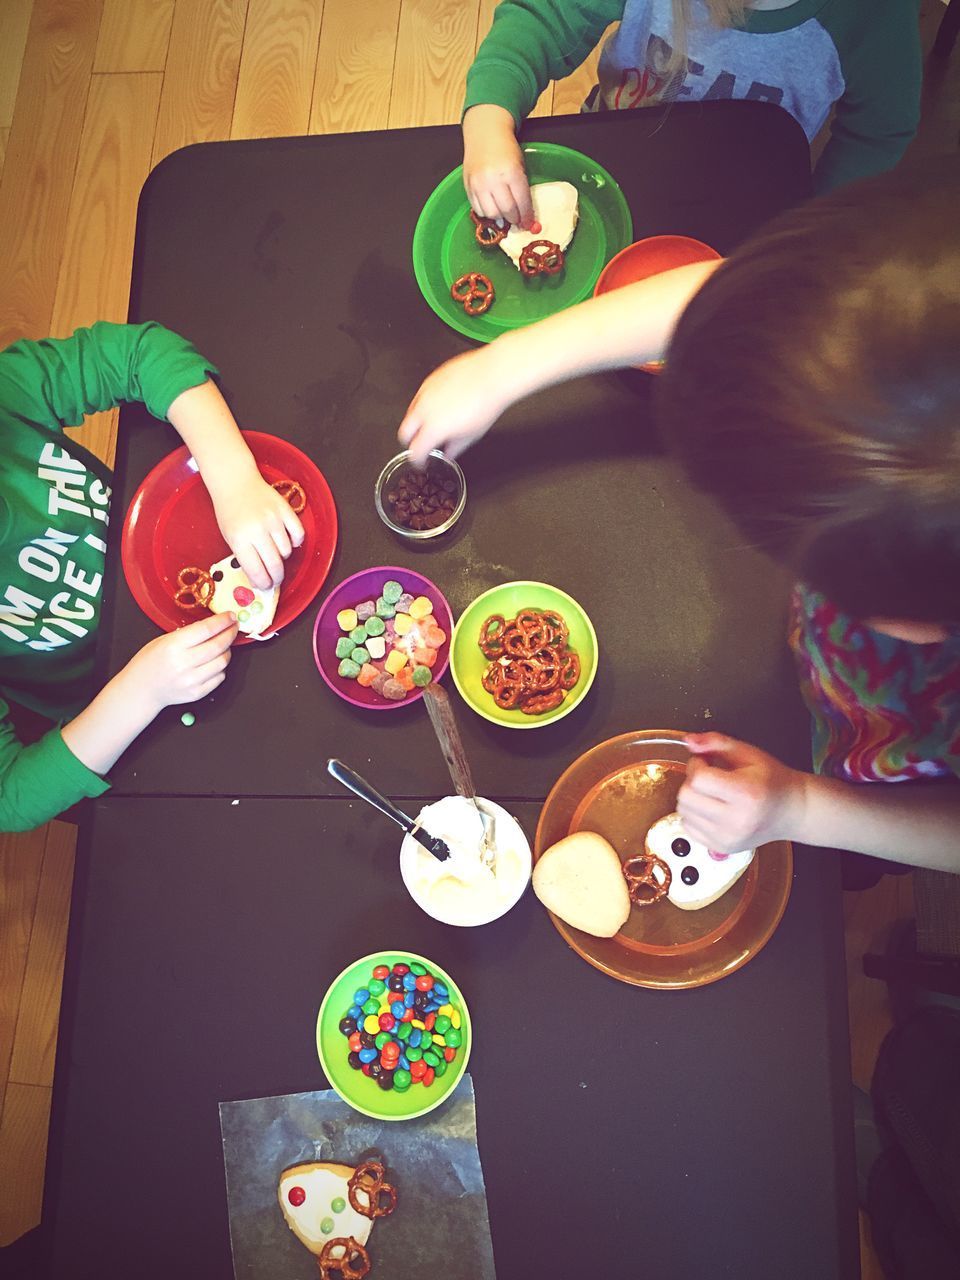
(459, 402)
(736, 796)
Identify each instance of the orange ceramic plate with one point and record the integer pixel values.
(619, 789)
(651, 257)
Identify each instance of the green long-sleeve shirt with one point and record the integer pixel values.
(54, 509)
(862, 57)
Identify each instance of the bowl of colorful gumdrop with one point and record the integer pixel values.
(382, 636)
(393, 1035)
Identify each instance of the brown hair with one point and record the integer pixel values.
(812, 388)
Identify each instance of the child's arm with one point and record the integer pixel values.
(878, 113)
(744, 797)
(530, 43)
(40, 781)
(260, 527)
(462, 399)
(56, 382)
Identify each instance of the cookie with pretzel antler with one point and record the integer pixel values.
(699, 875)
(323, 1201)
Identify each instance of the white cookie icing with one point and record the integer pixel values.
(709, 874)
(462, 890)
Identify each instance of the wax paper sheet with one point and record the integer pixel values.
(440, 1222)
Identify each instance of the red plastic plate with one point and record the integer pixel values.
(170, 524)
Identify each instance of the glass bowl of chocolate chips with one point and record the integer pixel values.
(420, 504)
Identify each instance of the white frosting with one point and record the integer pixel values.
(555, 206)
(716, 872)
(462, 890)
(251, 621)
(321, 1187)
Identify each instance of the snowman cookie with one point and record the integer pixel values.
(331, 1208)
(699, 875)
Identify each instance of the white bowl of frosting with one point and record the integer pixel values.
(462, 890)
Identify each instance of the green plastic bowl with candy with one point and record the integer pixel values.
(529, 630)
(416, 1054)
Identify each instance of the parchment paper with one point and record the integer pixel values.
(440, 1221)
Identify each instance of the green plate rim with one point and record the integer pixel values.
(452, 321)
(530, 722)
(381, 957)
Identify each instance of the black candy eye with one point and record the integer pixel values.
(234, 563)
(681, 847)
(689, 875)
(217, 576)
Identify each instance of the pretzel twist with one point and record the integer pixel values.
(488, 232)
(292, 492)
(351, 1263)
(367, 1179)
(195, 588)
(474, 291)
(644, 885)
(541, 257)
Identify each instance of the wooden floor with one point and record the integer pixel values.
(93, 94)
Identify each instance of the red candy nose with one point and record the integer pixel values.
(718, 857)
(243, 596)
(536, 228)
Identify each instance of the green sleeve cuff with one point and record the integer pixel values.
(43, 780)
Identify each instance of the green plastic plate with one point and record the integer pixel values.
(445, 247)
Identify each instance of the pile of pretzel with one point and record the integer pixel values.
(531, 667)
(343, 1257)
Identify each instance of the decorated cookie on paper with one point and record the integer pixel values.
(324, 1203)
(699, 875)
(233, 592)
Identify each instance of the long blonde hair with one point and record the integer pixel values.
(722, 13)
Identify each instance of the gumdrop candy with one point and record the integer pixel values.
(345, 647)
(435, 638)
(422, 676)
(365, 610)
(347, 619)
(376, 647)
(402, 623)
(421, 607)
(425, 657)
(395, 662)
(368, 673)
(348, 669)
(380, 681)
(361, 654)
(375, 626)
(385, 609)
(404, 603)
(393, 690)
(392, 591)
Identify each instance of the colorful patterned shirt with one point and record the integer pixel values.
(884, 710)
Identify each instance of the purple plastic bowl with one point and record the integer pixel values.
(367, 585)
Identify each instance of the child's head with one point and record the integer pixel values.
(812, 388)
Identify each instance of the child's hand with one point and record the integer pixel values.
(493, 173)
(736, 796)
(183, 665)
(454, 408)
(260, 527)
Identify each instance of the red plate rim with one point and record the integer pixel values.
(320, 493)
